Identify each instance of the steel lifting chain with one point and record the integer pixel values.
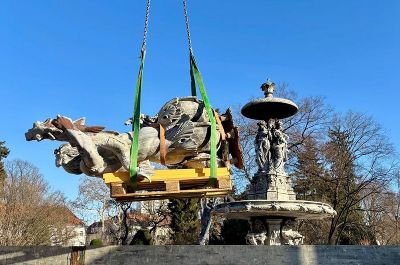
(196, 78)
(187, 26)
(146, 25)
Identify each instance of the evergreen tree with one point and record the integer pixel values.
(309, 172)
(3, 154)
(348, 224)
(142, 237)
(184, 221)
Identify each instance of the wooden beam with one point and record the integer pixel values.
(160, 195)
(117, 189)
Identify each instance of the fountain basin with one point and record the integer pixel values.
(290, 209)
(265, 108)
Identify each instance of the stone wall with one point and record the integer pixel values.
(180, 255)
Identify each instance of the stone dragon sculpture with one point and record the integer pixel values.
(94, 151)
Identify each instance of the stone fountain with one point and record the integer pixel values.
(271, 202)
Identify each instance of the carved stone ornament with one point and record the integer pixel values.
(93, 151)
(271, 147)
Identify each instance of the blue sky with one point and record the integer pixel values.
(80, 58)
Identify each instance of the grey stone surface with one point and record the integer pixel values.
(229, 255)
(38, 255)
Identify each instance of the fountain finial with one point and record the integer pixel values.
(268, 88)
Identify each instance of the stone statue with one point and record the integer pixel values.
(276, 237)
(93, 151)
(262, 143)
(271, 147)
(279, 148)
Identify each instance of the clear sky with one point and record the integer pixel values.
(80, 58)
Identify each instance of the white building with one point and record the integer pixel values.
(74, 231)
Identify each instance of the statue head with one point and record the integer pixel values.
(261, 123)
(271, 123)
(278, 125)
(262, 126)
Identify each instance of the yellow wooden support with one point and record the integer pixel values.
(169, 183)
(168, 175)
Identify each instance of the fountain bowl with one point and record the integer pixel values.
(289, 209)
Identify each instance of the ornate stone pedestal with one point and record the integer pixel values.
(271, 186)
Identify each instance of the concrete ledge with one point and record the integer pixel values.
(35, 255)
(232, 255)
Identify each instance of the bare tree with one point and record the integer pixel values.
(359, 159)
(158, 214)
(248, 130)
(93, 201)
(31, 214)
(119, 222)
(381, 212)
(352, 164)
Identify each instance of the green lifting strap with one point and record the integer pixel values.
(192, 79)
(136, 122)
(196, 77)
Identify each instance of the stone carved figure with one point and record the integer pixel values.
(271, 147)
(93, 151)
(262, 143)
(291, 237)
(286, 237)
(256, 238)
(279, 148)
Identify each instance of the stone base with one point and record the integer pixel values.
(271, 186)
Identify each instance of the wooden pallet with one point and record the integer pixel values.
(169, 183)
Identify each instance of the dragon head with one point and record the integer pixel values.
(53, 129)
(69, 158)
(43, 130)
